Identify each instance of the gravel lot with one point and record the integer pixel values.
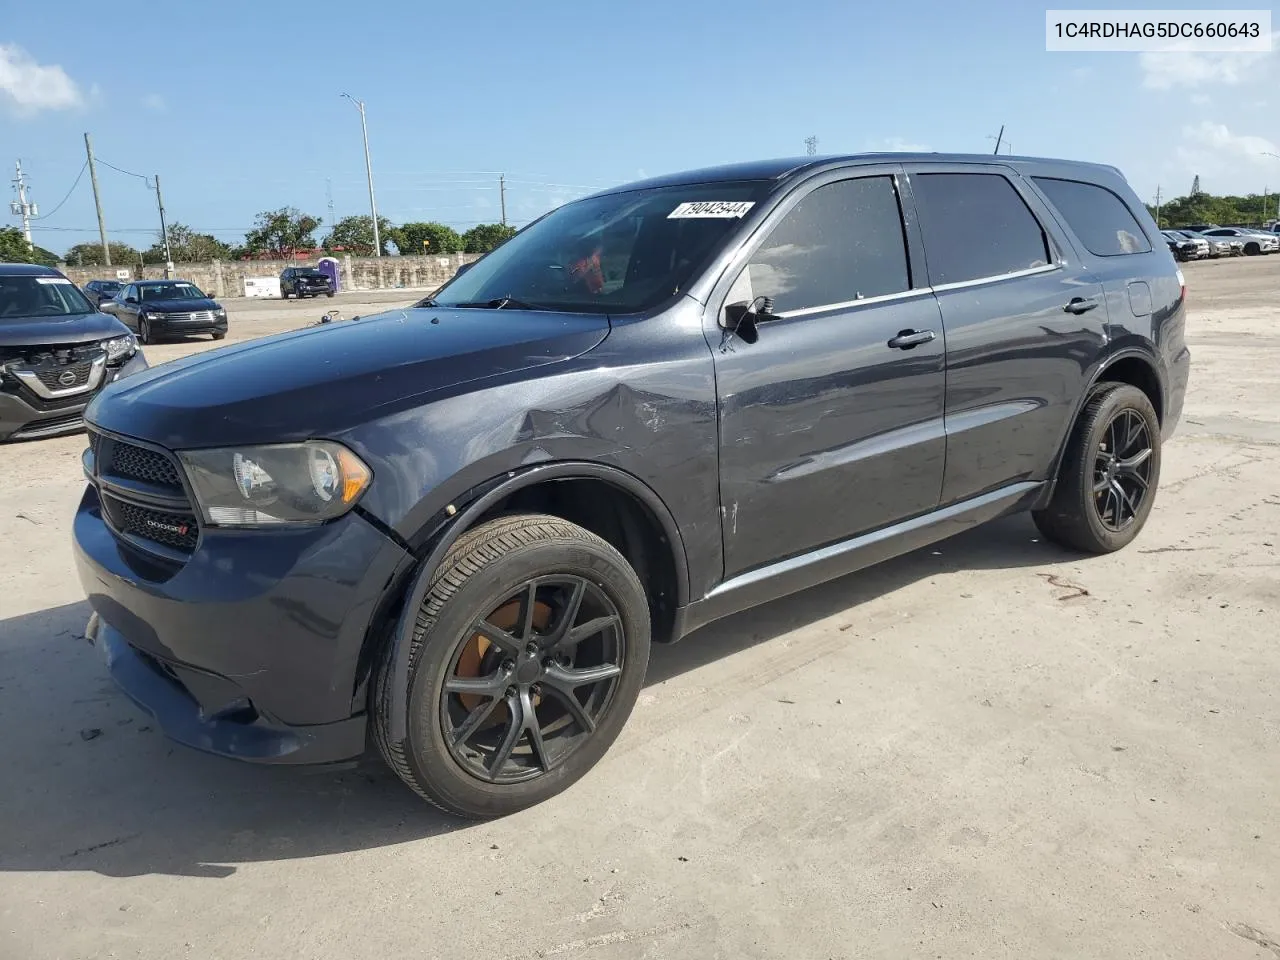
(990, 748)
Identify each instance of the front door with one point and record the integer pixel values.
(831, 423)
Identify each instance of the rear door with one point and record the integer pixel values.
(831, 422)
(1025, 320)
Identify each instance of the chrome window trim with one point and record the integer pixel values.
(920, 291)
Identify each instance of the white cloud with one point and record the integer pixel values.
(30, 87)
(1167, 71)
(1201, 99)
(898, 145)
(155, 103)
(1226, 161)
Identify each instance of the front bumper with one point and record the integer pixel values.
(165, 692)
(254, 647)
(24, 416)
(169, 327)
(314, 291)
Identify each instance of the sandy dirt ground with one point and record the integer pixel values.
(988, 748)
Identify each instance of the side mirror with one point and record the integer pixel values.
(744, 318)
(130, 299)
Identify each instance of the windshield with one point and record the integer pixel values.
(169, 291)
(620, 253)
(34, 296)
(311, 273)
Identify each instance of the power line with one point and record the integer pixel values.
(127, 173)
(46, 216)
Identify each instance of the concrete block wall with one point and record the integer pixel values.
(226, 278)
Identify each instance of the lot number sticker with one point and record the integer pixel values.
(718, 209)
(59, 280)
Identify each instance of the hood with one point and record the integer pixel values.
(179, 306)
(326, 379)
(42, 331)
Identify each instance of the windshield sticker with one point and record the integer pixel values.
(55, 280)
(719, 209)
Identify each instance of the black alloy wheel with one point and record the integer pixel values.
(1122, 470)
(530, 682)
(1110, 470)
(527, 655)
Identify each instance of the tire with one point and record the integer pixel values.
(329, 294)
(1252, 249)
(481, 577)
(144, 332)
(222, 335)
(1082, 517)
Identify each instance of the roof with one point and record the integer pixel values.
(28, 270)
(784, 167)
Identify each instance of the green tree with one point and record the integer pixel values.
(90, 255)
(1208, 208)
(282, 232)
(439, 238)
(354, 235)
(486, 236)
(187, 246)
(15, 249)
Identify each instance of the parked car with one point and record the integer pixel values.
(1255, 241)
(56, 353)
(460, 525)
(1218, 246)
(100, 291)
(1185, 248)
(167, 308)
(304, 282)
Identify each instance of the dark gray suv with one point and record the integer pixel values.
(460, 525)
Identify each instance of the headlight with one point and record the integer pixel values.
(283, 483)
(120, 348)
(220, 312)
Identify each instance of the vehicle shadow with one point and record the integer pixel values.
(91, 785)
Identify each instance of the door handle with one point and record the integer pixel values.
(1079, 305)
(906, 339)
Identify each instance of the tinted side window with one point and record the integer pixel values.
(976, 225)
(842, 242)
(1098, 217)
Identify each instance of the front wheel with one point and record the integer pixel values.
(144, 332)
(1108, 478)
(528, 654)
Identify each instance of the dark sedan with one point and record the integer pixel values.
(100, 291)
(167, 308)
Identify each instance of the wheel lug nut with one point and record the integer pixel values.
(531, 649)
(511, 691)
(537, 690)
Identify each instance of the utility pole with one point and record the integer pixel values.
(368, 167)
(328, 189)
(21, 208)
(999, 139)
(811, 146)
(164, 230)
(97, 202)
(1157, 206)
(502, 196)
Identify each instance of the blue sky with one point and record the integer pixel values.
(237, 106)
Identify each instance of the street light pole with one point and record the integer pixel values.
(1275, 156)
(368, 167)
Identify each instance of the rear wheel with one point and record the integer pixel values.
(528, 654)
(1107, 482)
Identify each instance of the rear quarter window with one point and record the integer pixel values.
(1097, 216)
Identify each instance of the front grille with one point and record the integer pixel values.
(139, 463)
(171, 529)
(160, 512)
(192, 315)
(55, 376)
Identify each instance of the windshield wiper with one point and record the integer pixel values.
(501, 302)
